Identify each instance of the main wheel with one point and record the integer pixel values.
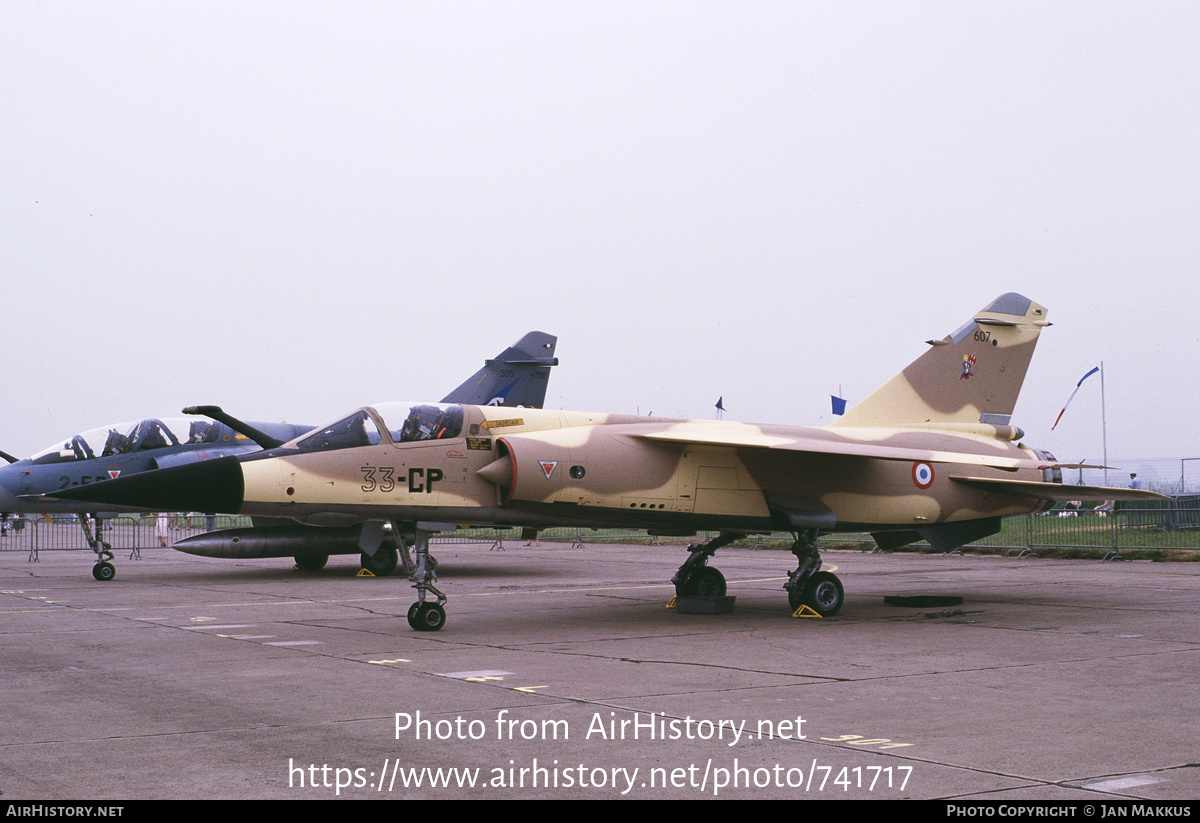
(383, 563)
(426, 617)
(311, 562)
(705, 581)
(822, 593)
(104, 571)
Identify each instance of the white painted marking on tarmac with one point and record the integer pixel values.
(1120, 783)
(216, 626)
(469, 675)
(295, 643)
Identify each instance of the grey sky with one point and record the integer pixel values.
(291, 209)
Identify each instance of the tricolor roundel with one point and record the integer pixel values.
(922, 474)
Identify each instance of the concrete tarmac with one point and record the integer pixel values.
(561, 673)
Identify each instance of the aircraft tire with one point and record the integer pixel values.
(311, 562)
(383, 563)
(426, 617)
(104, 571)
(705, 581)
(823, 593)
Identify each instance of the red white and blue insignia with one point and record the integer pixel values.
(548, 467)
(968, 368)
(922, 474)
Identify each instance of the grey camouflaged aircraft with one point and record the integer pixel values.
(931, 454)
(120, 450)
(517, 376)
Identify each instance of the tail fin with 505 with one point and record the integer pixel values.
(515, 377)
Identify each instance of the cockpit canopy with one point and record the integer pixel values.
(126, 438)
(402, 423)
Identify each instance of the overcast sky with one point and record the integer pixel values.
(292, 209)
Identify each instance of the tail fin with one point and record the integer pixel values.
(971, 376)
(516, 377)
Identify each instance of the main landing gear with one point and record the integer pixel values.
(384, 562)
(695, 576)
(806, 586)
(423, 616)
(311, 562)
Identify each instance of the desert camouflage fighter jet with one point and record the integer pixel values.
(932, 454)
(515, 377)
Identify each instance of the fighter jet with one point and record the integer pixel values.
(517, 376)
(932, 454)
(120, 450)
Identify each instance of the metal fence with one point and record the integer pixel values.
(1172, 525)
(123, 534)
(1176, 475)
(129, 535)
(1166, 525)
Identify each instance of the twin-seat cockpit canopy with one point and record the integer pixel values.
(127, 438)
(403, 423)
(398, 422)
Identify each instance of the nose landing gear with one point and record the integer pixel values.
(423, 616)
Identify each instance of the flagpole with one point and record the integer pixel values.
(1103, 423)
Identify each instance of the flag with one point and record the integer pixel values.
(839, 405)
(1072, 397)
(721, 403)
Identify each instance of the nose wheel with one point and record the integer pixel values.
(426, 617)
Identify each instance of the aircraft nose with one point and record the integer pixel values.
(8, 490)
(215, 486)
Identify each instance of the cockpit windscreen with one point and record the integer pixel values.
(356, 430)
(404, 422)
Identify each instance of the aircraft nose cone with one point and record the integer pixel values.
(215, 486)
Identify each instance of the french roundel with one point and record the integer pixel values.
(922, 475)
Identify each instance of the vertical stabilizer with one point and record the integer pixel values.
(518, 376)
(971, 376)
